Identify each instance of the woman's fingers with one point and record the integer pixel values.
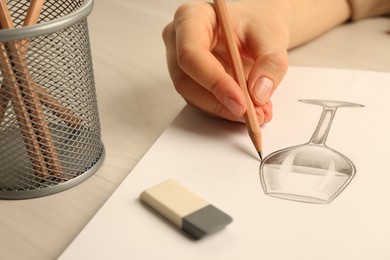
(266, 74)
(270, 65)
(193, 32)
(194, 93)
(198, 61)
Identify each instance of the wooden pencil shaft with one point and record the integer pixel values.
(238, 72)
(32, 15)
(25, 124)
(33, 12)
(35, 109)
(4, 14)
(57, 108)
(53, 104)
(31, 99)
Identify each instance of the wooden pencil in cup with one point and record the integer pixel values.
(66, 114)
(29, 96)
(239, 74)
(23, 118)
(53, 104)
(33, 12)
(22, 115)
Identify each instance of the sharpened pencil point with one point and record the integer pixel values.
(261, 156)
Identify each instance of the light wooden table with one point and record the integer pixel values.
(137, 102)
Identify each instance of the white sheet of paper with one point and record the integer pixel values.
(216, 160)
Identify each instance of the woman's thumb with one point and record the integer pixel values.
(267, 72)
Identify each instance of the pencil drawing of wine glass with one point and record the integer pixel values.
(310, 172)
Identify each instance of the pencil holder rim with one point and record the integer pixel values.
(47, 27)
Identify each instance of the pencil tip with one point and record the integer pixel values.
(261, 156)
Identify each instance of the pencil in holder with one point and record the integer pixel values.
(50, 138)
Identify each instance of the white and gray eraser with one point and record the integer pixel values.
(185, 209)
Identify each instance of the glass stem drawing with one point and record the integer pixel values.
(323, 127)
(310, 172)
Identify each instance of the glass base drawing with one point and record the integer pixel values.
(310, 172)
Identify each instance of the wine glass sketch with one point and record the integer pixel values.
(310, 172)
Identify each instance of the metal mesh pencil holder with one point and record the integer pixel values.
(50, 136)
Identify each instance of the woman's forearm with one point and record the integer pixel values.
(311, 18)
(368, 8)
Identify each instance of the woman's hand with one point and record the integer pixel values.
(199, 64)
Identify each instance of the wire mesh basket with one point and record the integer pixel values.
(49, 124)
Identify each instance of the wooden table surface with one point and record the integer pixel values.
(137, 102)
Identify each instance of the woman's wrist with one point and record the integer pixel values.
(363, 9)
(311, 18)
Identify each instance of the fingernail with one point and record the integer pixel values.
(233, 106)
(263, 89)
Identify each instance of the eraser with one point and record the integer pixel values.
(185, 209)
